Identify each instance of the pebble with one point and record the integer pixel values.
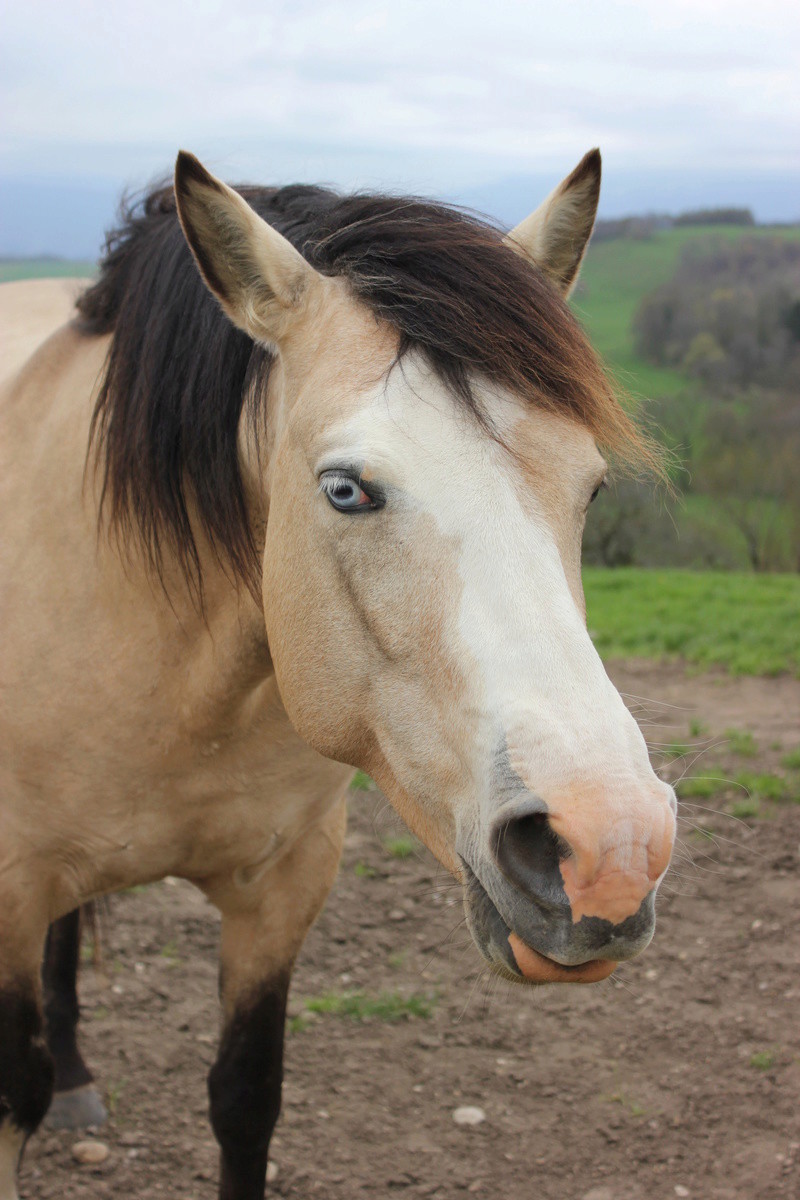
(133, 1137)
(680, 1190)
(469, 1115)
(272, 1171)
(90, 1152)
(397, 914)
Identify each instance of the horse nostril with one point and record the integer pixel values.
(528, 852)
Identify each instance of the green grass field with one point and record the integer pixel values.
(748, 624)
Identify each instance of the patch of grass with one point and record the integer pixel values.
(114, 1095)
(361, 782)
(100, 1013)
(401, 847)
(697, 728)
(384, 1006)
(763, 1060)
(298, 1024)
(762, 786)
(398, 959)
(677, 750)
(792, 760)
(170, 951)
(747, 624)
(635, 1108)
(744, 809)
(702, 786)
(741, 742)
(363, 870)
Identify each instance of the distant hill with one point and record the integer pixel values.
(732, 512)
(620, 271)
(44, 268)
(643, 227)
(69, 215)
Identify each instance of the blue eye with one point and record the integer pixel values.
(345, 493)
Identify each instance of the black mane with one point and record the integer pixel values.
(179, 373)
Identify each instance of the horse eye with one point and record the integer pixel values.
(345, 493)
(602, 484)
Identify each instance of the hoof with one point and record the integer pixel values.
(77, 1109)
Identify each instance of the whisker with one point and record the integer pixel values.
(654, 703)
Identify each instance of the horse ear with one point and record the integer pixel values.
(556, 235)
(256, 274)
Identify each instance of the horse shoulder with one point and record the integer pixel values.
(140, 737)
(30, 311)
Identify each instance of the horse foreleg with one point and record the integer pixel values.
(264, 923)
(76, 1104)
(26, 1068)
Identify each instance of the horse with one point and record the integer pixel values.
(300, 488)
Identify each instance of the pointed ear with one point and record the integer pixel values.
(259, 278)
(556, 235)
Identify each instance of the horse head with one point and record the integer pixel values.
(419, 488)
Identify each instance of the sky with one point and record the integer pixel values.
(483, 101)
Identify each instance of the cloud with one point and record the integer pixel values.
(429, 93)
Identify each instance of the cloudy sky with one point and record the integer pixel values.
(450, 97)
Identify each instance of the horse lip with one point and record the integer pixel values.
(517, 960)
(538, 968)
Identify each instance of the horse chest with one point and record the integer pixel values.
(163, 783)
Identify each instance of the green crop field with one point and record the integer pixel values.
(748, 624)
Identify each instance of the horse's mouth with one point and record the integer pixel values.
(508, 955)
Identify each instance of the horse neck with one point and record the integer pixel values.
(220, 630)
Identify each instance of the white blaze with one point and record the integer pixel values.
(535, 675)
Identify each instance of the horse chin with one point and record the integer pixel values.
(508, 956)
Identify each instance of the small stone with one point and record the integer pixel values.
(468, 1114)
(397, 914)
(132, 1137)
(272, 1172)
(680, 1190)
(90, 1153)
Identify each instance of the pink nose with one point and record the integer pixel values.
(612, 868)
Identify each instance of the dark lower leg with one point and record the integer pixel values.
(60, 978)
(26, 1077)
(245, 1090)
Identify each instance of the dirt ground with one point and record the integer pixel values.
(679, 1077)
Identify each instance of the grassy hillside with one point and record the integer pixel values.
(616, 276)
(748, 624)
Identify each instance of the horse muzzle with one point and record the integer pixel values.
(548, 905)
